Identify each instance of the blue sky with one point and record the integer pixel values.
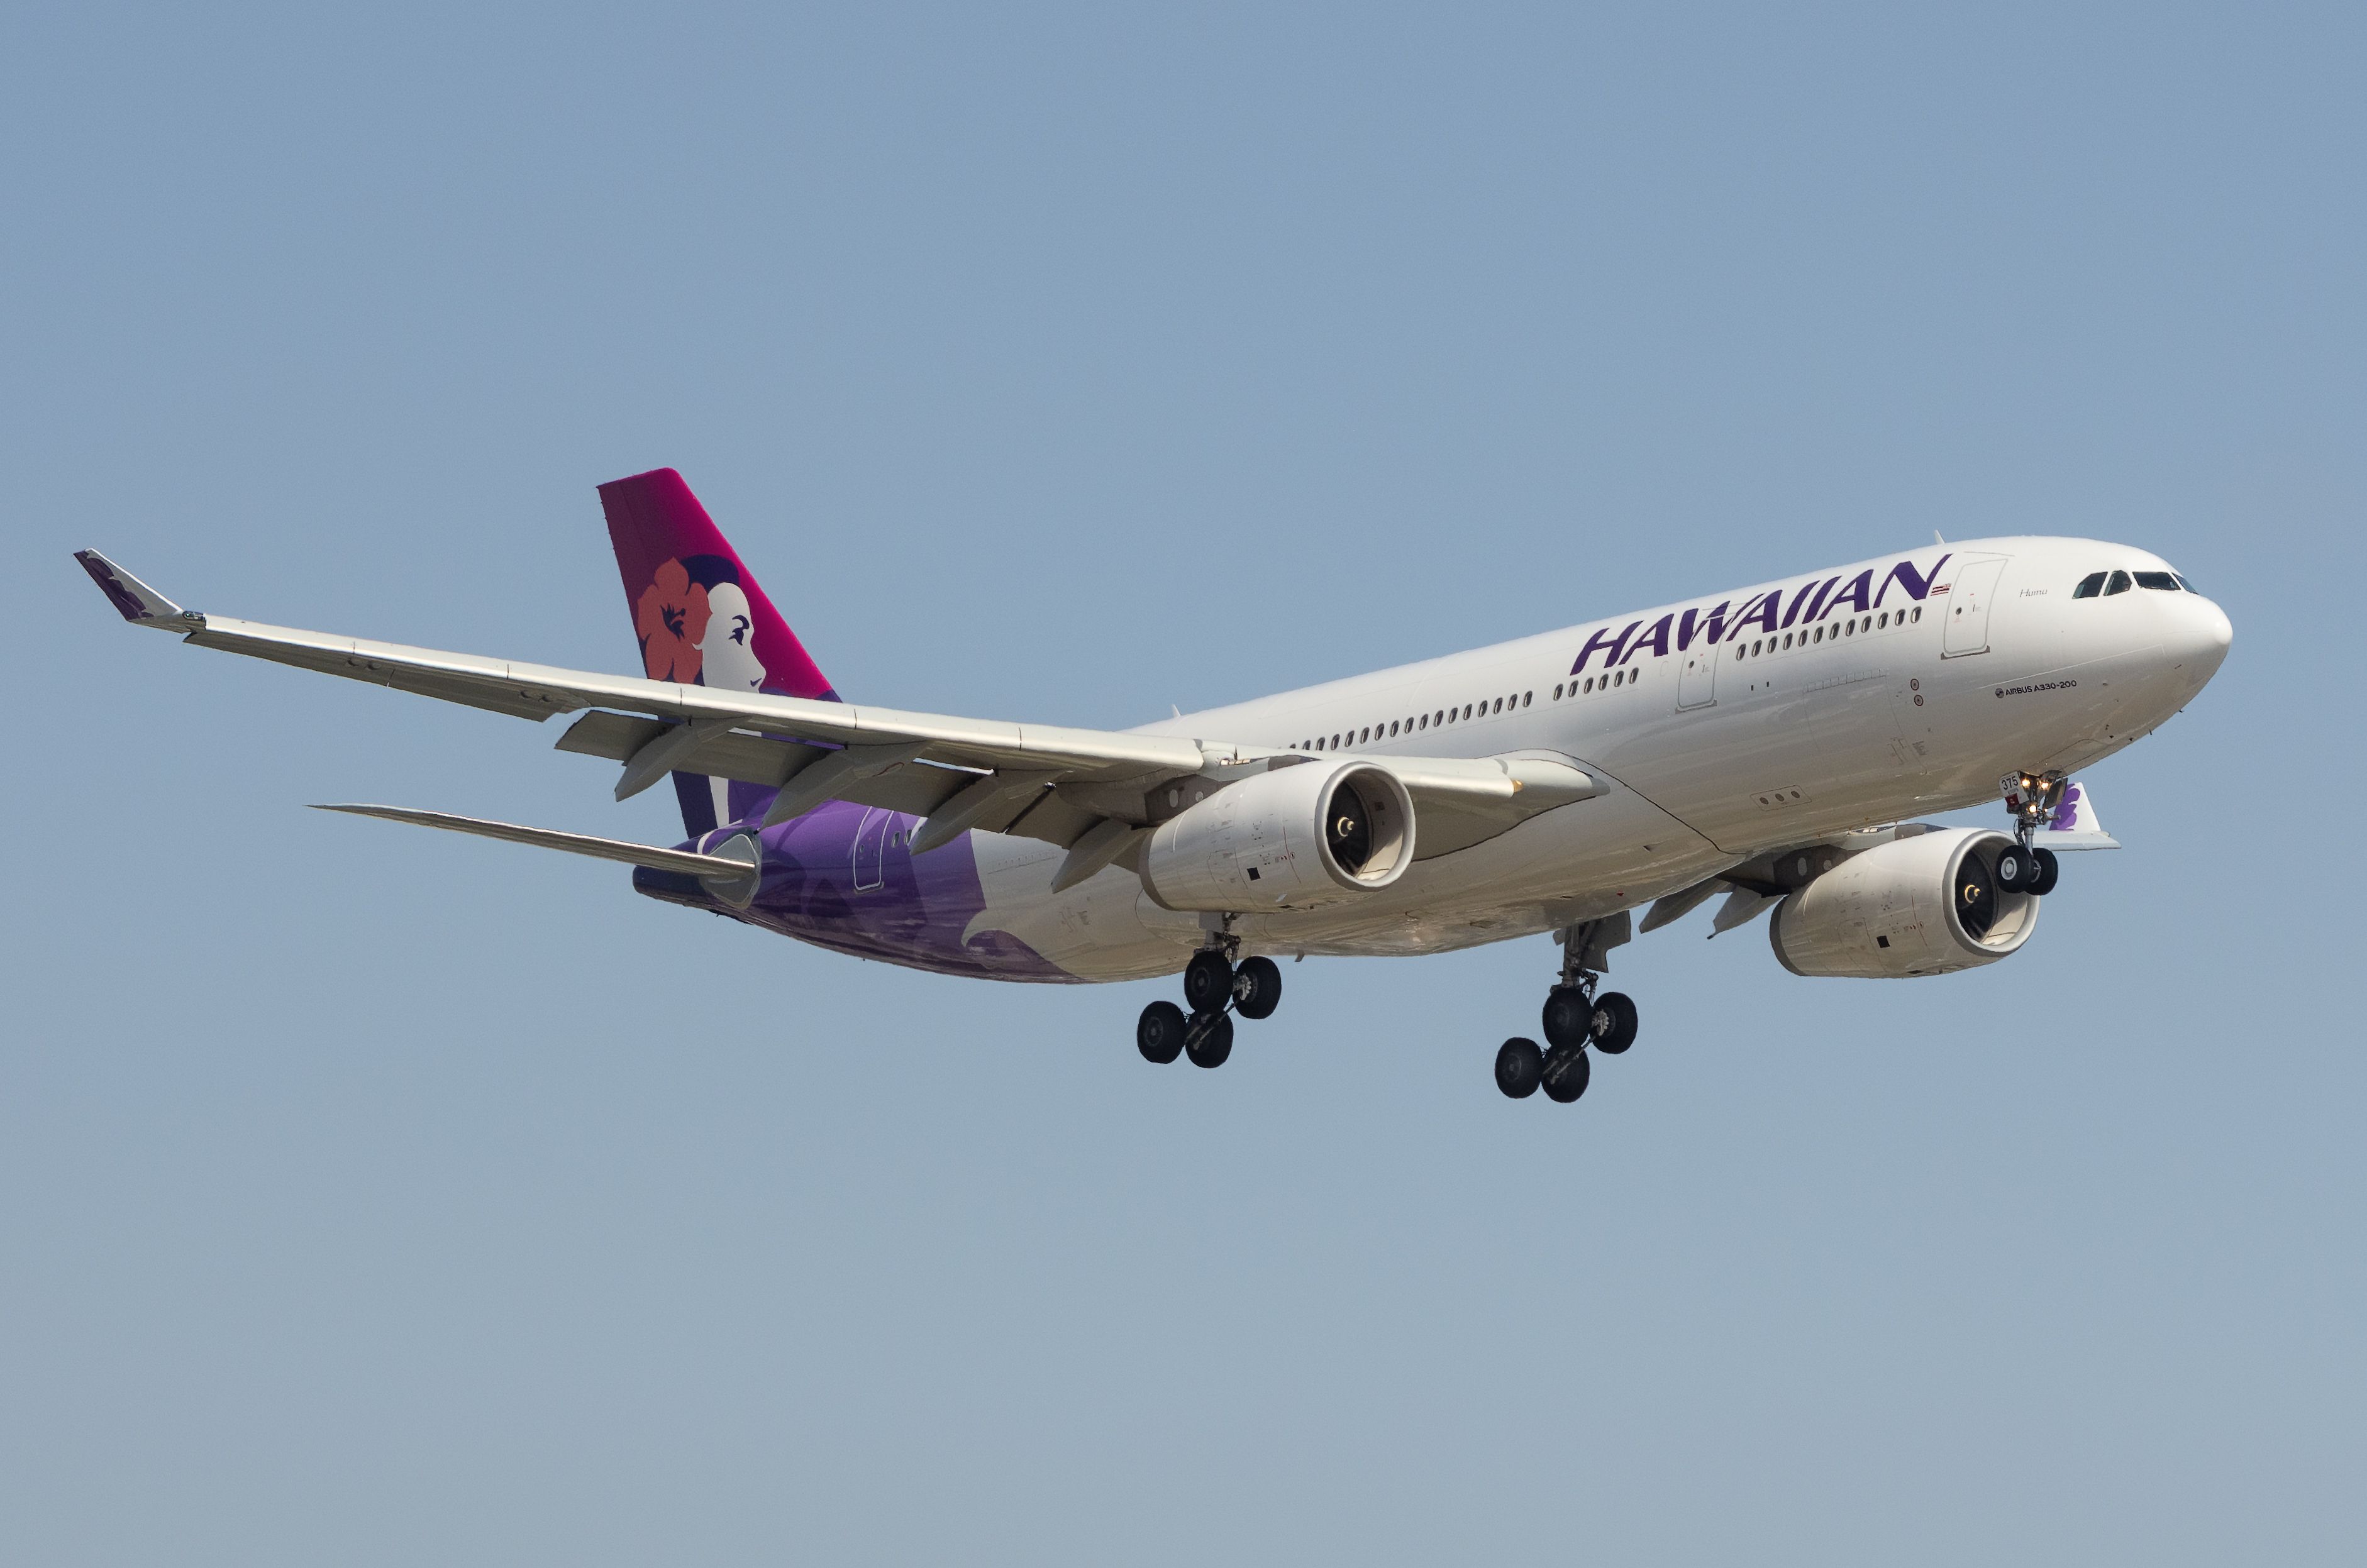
(373, 1198)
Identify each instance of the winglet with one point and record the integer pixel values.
(134, 600)
(2074, 824)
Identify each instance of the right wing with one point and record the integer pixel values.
(1094, 791)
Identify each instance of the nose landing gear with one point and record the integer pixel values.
(1578, 1015)
(2031, 799)
(1216, 987)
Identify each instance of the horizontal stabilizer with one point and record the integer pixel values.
(711, 868)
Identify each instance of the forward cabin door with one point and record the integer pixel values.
(1697, 676)
(1969, 606)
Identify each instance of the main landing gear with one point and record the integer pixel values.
(1216, 987)
(2031, 799)
(1577, 1016)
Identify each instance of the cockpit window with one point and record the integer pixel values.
(2162, 582)
(2183, 584)
(2117, 583)
(2089, 586)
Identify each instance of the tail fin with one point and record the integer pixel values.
(701, 618)
(2074, 824)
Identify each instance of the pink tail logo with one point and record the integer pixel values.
(696, 627)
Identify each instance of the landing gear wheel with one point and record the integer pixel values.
(2017, 869)
(1257, 988)
(1520, 1065)
(1613, 1023)
(2047, 871)
(1159, 1034)
(1569, 1018)
(1208, 1039)
(1208, 982)
(1565, 1072)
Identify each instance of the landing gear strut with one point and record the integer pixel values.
(2029, 799)
(1578, 1015)
(1215, 986)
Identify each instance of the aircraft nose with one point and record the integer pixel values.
(2204, 637)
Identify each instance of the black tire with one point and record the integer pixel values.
(1159, 1034)
(1208, 982)
(1568, 1019)
(2017, 869)
(1565, 1072)
(2047, 871)
(1615, 1022)
(1257, 988)
(1208, 1039)
(1520, 1067)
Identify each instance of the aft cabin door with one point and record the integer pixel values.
(1969, 606)
(871, 849)
(1697, 676)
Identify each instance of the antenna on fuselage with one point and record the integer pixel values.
(1935, 537)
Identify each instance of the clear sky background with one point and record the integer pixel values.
(369, 1196)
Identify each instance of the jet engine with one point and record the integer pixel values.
(1921, 906)
(1295, 835)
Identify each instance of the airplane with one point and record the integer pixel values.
(1769, 743)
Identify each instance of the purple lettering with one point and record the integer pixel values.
(1657, 639)
(1763, 610)
(1709, 628)
(1904, 575)
(1802, 597)
(1613, 647)
(1854, 594)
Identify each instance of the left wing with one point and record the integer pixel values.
(1094, 791)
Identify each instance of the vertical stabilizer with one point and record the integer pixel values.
(701, 618)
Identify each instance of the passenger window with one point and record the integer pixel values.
(1917, 614)
(2162, 582)
(1527, 698)
(2089, 586)
(2117, 583)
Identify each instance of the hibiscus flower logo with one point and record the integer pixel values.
(672, 619)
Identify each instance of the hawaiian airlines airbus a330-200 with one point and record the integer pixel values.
(1768, 743)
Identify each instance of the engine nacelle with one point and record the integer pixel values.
(1296, 835)
(1921, 905)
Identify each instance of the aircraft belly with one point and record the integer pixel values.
(1576, 863)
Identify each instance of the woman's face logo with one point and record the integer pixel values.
(728, 651)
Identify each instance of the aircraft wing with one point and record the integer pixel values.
(1094, 791)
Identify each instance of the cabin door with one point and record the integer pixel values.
(1969, 606)
(871, 849)
(1697, 676)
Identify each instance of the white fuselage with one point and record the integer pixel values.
(1725, 727)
